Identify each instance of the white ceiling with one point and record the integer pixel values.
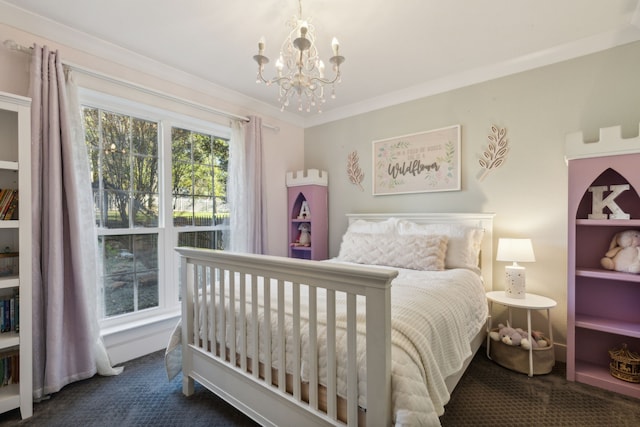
(395, 50)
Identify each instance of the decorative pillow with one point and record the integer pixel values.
(387, 226)
(416, 252)
(463, 247)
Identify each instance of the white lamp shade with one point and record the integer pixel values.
(516, 250)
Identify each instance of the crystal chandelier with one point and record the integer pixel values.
(299, 67)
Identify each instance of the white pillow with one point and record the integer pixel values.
(463, 247)
(375, 227)
(416, 252)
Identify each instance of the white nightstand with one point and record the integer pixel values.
(529, 302)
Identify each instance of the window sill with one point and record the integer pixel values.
(135, 324)
(138, 338)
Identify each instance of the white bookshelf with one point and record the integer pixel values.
(15, 236)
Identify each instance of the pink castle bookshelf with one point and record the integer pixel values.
(603, 306)
(308, 209)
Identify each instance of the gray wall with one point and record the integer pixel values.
(528, 193)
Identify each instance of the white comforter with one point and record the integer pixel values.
(434, 317)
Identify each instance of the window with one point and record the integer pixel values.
(146, 203)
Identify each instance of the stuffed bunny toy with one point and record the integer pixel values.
(624, 252)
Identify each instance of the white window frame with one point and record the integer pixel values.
(168, 286)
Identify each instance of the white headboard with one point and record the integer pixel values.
(481, 220)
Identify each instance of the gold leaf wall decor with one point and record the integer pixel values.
(496, 153)
(353, 170)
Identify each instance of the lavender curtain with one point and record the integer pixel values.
(247, 188)
(65, 337)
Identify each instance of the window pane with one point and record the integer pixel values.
(118, 295)
(203, 184)
(130, 265)
(146, 256)
(202, 210)
(116, 209)
(144, 136)
(180, 145)
(118, 264)
(199, 177)
(92, 134)
(182, 210)
(116, 129)
(148, 291)
(146, 252)
(202, 149)
(182, 178)
(145, 210)
(202, 239)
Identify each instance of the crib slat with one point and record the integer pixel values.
(352, 365)
(207, 310)
(267, 331)
(197, 274)
(232, 317)
(282, 383)
(313, 347)
(213, 275)
(331, 355)
(254, 331)
(296, 341)
(243, 323)
(222, 313)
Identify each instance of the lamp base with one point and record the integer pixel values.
(515, 279)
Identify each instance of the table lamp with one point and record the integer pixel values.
(515, 250)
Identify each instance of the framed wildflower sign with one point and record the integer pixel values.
(417, 163)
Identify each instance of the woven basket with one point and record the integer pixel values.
(516, 358)
(625, 364)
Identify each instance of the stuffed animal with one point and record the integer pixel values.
(526, 341)
(518, 337)
(507, 335)
(624, 252)
(540, 339)
(305, 234)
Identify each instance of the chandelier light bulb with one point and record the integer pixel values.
(335, 45)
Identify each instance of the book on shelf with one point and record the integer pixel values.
(9, 367)
(12, 210)
(10, 313)
(8, 204)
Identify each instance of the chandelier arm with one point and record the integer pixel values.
(261, 77)
(284, 79)
(326, 81)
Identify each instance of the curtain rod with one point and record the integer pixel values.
(12, 45)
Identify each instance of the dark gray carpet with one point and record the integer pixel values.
(140, 396)
(488, 395)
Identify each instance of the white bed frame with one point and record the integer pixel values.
(271, 397)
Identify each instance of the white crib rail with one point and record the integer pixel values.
(223, 366)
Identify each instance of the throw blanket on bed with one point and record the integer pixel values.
(434, 316)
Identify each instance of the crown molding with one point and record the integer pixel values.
(539, 59)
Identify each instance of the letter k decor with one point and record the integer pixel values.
(598, 203)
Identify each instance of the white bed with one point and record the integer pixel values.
(382, 357)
